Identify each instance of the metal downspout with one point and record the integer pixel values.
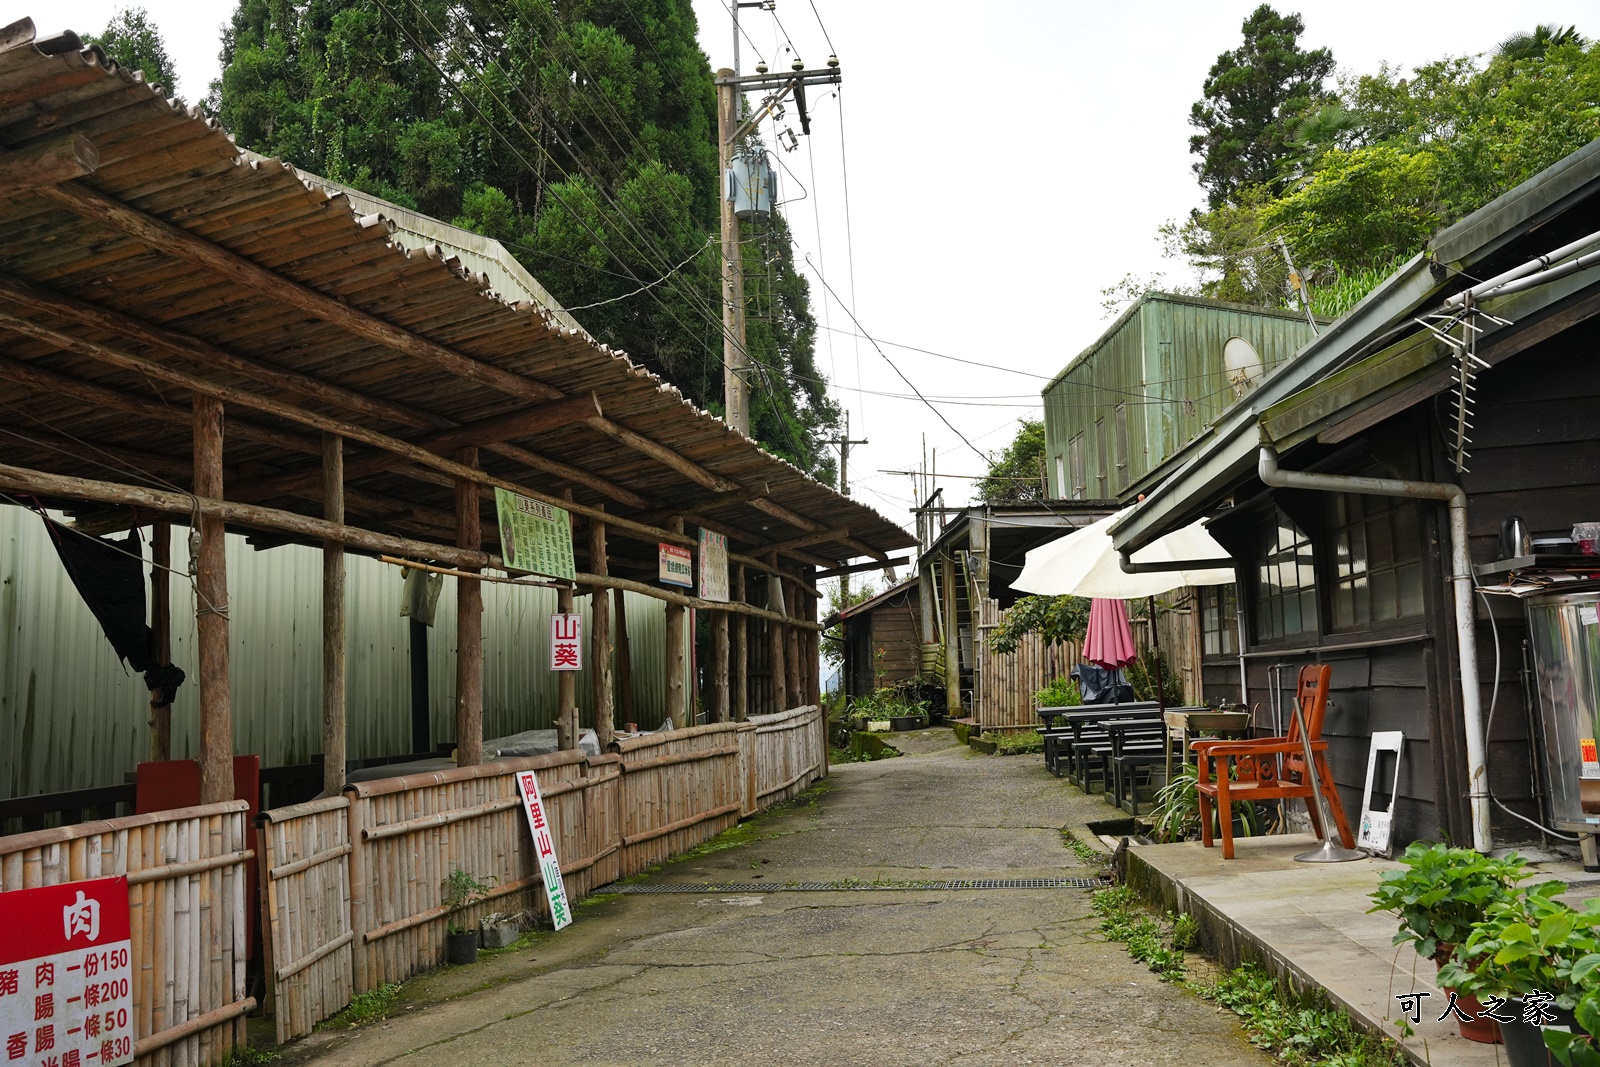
(1461, 578)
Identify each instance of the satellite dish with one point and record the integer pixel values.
(1243, 365)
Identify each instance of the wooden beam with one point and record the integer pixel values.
(211, 611)
(803, 540)
(160, 637)
(185, 505)
(794, 668)
(85, 313)
(421, 456)
(719, 667)
(686, 507)
(740, 653)
(681, 599)
(538, 419)
(857, 568)
(952, 640)
(676, 665)
(164, 237)
(48, 162)
(469, 624)
(542, 418)
(624, 657)
(600, 678)
(333, 623)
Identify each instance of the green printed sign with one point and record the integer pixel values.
(535, 537)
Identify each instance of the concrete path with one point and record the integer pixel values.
(886, 977)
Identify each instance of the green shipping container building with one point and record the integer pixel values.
(1152, 384)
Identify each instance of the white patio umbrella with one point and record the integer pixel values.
(1083, 563)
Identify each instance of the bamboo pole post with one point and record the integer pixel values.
(600, 677)
(794, 665)
(333, 628)
(566, 681)
(160, 637)
(676, 665)
(720, 709)
(740, 682)
(211, 610)
(624, 686)
(813, 649)
(776, 641)
(469, 624)
(952, 640)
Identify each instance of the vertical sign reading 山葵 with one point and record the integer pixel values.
(66, 973)
(555, 890)
(566, 642)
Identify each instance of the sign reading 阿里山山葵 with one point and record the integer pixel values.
(66, 974)
(566, 637)
(713, 566)
(677, 565)
(535, 537)
(555, 890)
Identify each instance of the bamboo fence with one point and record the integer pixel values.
(186, 872)
(679, 788)
(305, 895)
(786, 753)
(352, 887)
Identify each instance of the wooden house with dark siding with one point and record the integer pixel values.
(1363, 581)
(883, 643)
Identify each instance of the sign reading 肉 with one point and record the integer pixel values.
(566, 642)
(713, 566)
(677, 565)
(66, 975)
(555, 890)
(534, 536)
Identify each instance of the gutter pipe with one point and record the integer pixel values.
(1498, 284)
(1461, 578)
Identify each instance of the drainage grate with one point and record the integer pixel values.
(855, 886)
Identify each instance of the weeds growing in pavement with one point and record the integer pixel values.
(1086, 853)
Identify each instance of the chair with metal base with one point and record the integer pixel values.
(1272, 768)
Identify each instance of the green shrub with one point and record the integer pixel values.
(1060, 693)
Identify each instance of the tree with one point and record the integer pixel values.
(838, 600)
(1252, 101)
(1054, 618)
(1016, 475)
(1534, 45)
(132, 39)
(580, 135)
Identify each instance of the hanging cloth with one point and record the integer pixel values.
(110, 578)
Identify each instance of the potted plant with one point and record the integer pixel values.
(1438, 895)
(461, 890)
(1535, 960)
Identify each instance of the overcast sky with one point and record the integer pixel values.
(1006, 161)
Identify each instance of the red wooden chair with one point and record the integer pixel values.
(1270, 768)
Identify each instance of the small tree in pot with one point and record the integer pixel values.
(1438, 895)
(462, 890)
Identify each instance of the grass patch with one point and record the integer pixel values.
(1086, 853)
(369, 1007)
(1298, 1029)
(1018, 743)
(249, 1056)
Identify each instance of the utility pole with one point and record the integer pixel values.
(730, 85)
(844, 444)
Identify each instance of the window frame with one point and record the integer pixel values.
(1399, 520)
(1103, 475)
(1271, 607)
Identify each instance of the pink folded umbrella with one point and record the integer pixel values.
(1109, 641)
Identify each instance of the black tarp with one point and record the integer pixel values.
(110, 578)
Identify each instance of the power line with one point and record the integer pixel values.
(823, 28)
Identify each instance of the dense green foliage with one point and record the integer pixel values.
(1251, 96)
(581, 135)
(838, 600)
(1016, 475)
(1054, 618)
(132, 39)
(1355, 179)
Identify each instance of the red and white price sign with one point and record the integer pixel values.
(66, 976)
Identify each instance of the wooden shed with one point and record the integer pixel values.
(882, 640)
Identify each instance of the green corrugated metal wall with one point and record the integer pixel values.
(1161, 360)
(72, 717)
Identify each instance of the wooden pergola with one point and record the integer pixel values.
(190, 337)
